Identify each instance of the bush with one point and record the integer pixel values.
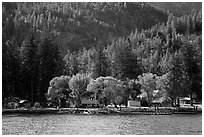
(37, 105)
(144, 103)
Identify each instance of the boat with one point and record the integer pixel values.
(86, 112)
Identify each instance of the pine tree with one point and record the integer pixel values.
(100, 67)
(71, 64)
(91, 58)
(10, 69)
(58, 61)
(66, 59)
(29, 67)
(171, 32)
(45, 64)
(191, 69)
(50, 64)
(37, 21)
(189, 25)
(125, 63)
(49, 21)
(83, 59)
(175, 77)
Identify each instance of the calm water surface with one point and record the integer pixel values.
(101, 124)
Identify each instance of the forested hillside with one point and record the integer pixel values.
(77, 25)
(132, 43)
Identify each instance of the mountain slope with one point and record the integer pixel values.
(77, 25)
(179, 8)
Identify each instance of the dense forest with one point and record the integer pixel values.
(115, 51)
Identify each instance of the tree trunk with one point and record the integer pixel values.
(31, 91)
(172, 102)
(78, 101)
(95, 99)
(178, 102)
(115, 105)
(105, 101)
(126, 102)
(13, 89)
(149, 102)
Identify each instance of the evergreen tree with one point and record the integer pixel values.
(191, 70)
(175, 77)
(83, 60)
(29, 67)
(67, 61)
(71, 64)
(189, 25)
(47, 65)
(8, 26)
(125, 63)
(10, 69)
(49, 21)
(100, 67)
(91, 59)
(58, 61)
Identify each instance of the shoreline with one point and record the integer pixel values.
(104, 111)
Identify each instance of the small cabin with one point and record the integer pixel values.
(184, 101)
(89, 103)
(11, 103)
(162, 102)
(135, 103)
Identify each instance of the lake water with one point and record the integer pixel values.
(101, 124)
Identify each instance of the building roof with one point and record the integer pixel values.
(185, 98)
(160, 100)
(88, 101)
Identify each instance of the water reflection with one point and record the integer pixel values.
(101, 124)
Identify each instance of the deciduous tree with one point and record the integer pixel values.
(78, 84)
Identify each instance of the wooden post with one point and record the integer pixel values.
(158, 109)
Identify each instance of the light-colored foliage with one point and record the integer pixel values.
(162, 85)
(60, 82)
(148, 84)
(78, 84)
(57, 86)
(107, 87)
